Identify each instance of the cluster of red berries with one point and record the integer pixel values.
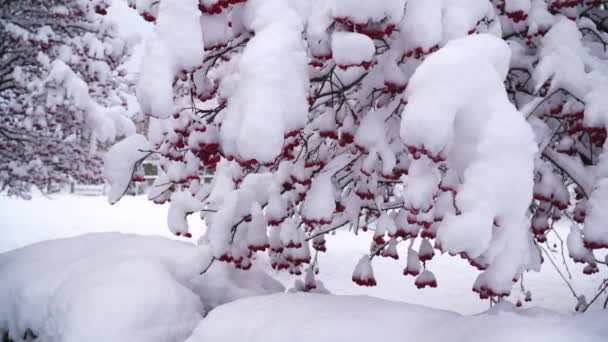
(485, 292)
(422, 283)
(186, 235)
(393, 88)
(365, 65)
(370, 29)
(474, 29)
(100, 10)
(319, 245)
(419, 52)
(417, 152)
(364, 281)
(557, 4)
(517, 16)
(218, 7)
(297, 261)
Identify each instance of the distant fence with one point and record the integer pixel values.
(88, 189)
(150, 173)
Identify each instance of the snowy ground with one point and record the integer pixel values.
(309, 317)
(26, 222)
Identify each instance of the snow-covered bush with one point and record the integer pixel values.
(115, 287)
(468, 125)
(61, 92)
(296, 317)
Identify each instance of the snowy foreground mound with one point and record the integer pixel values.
(328, 318)
(116, 287)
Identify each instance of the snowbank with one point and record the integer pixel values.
(26, 222)
(320, 318)
(116, 287)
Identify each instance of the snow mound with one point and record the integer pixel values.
(116, 287)
(320, 318)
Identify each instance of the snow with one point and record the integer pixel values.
(413, 263)
(517, 5)
(576, 248)
(562, 60)
(107, 124)
(111, 286)
(426, 278)
(175, 45)
(364, 273)
(276, 210)
(154, 87)
(182, 204)
(351, 48)
(372, 137)
(463, 145)
(67, 215)
(595, 231)
(317, 317)
(473, 122)
(421, 24)
(363, 11)
(120, 163)
(462, 16)
(178, 26)
(319, 204)
(267, 94)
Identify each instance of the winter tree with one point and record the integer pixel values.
(466, 127)
(61, 92)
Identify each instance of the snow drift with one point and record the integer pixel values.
(116, 287)
(321, 318)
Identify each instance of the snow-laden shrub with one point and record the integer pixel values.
(469, 125)
(115, 287)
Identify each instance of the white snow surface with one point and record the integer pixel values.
(116, 287)
(267, 96)
(176, 45)
(27, 222)
(326, 318)
(351, 48)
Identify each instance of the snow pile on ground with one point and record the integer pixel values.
(27, 222)
(115, 287)
(320, 318)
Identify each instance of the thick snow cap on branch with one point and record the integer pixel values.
(267, 96)
(351, 48)
(431, 23)
(562, 60)
(517, 5)
(107, 124)
(363, 11)
(422, 23)
(319, 204)
(346, 318)
(458, 108)
(176, 45)
(119, 164)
